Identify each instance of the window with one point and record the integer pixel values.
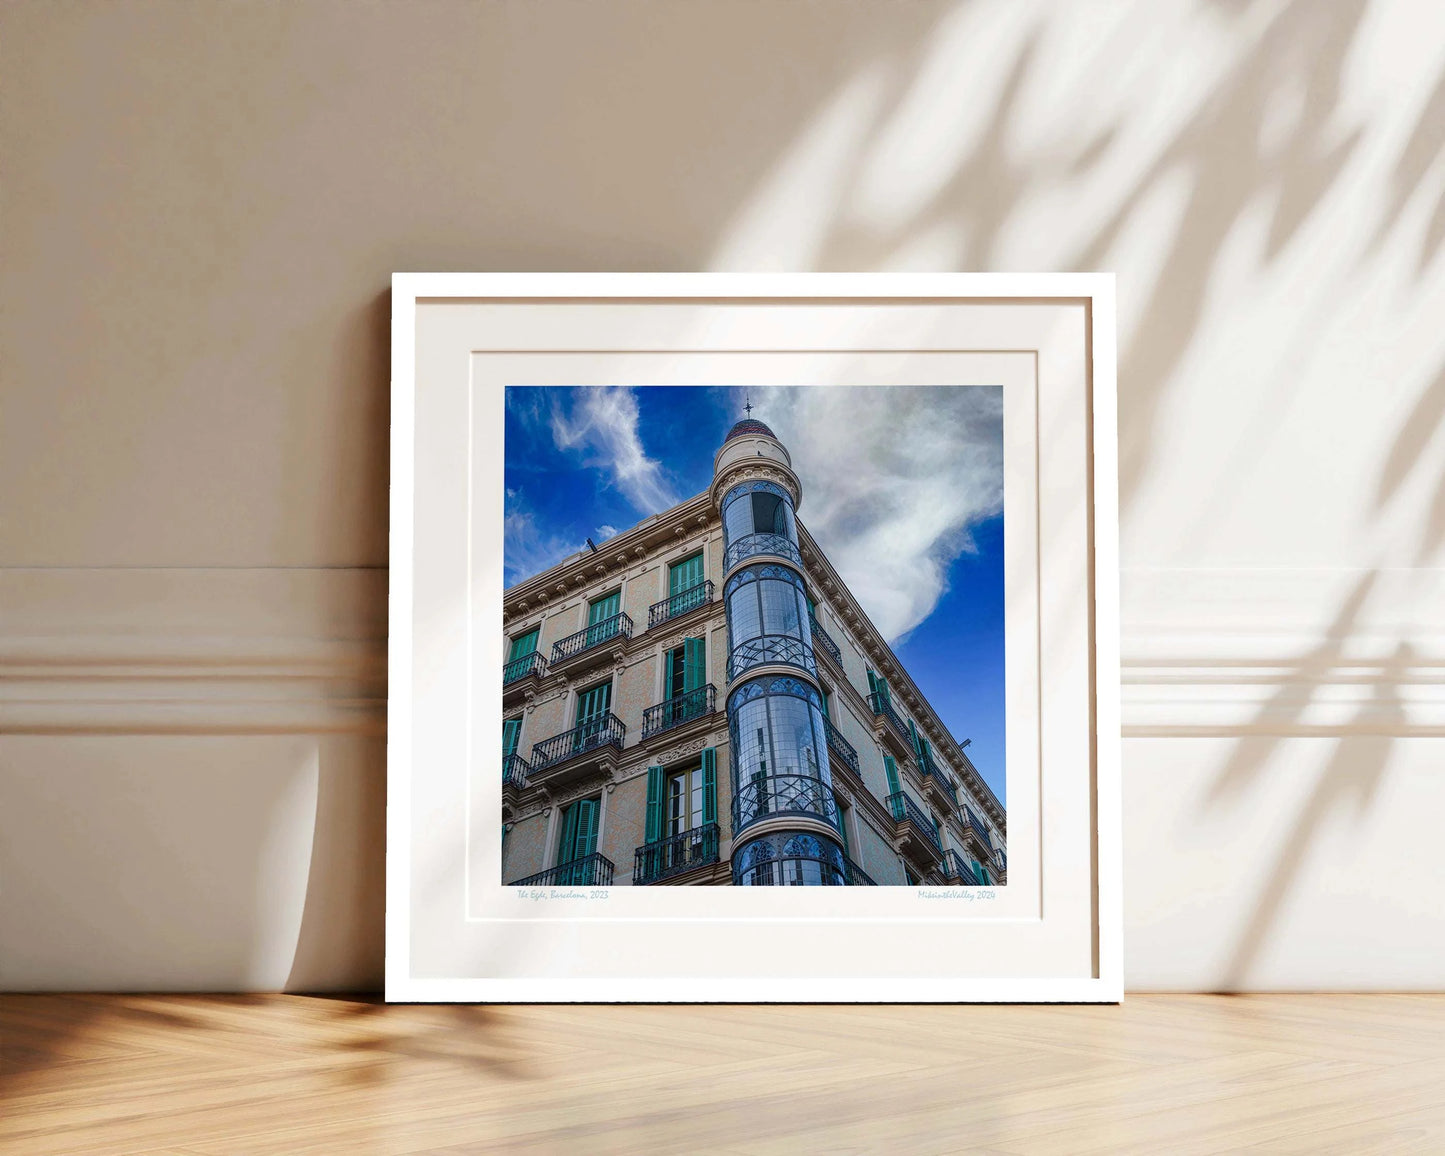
(827, 704)
(511, 732)
(602, 617)
(891, 769)
(684, 575)
(594, 702)
(524, 644)
(685, 668)
(682, 800)
(766, 602)
(579, 830)
(879, 686)
(845, 815)
(757, 508)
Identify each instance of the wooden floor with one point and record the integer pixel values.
(291, 1075)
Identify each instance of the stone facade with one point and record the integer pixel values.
(882, 836)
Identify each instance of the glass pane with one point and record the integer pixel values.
(737, 519)
(780, 608)
(744, 619)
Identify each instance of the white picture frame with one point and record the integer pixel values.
(1055, 936)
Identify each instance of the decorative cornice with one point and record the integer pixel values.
(658, 533)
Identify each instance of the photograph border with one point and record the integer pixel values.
(1094, 291)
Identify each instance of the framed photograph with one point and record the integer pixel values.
(753, 637)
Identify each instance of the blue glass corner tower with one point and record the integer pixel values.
(785, 817)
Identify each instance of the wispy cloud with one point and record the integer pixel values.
(526, 548)
(893, 480)
(601, 423)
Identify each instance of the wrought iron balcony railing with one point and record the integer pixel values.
(683, 602)
(883, 708)
(842, 748)
(955, 868)
(678, 710)
(590, 871)
(906, 810)
(587, 736)
(754, 544)
(769, 795)
(519, 668)
(855, 875)
(618, 626)
(654, 862)
(515, 770)
(825, 640)
(972, 824)
(932, 770)
(783, 649)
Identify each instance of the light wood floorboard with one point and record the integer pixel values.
(294, 1075)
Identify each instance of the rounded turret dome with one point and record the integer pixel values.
(748, 426)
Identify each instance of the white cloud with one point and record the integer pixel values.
(526, 550)
(893, 479)
(601, 422)
(605, 531)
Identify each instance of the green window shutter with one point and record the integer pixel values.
(586, 827)
(569, 835)
(872, 683)
(827, 706)
(709, 785)
(917, 749)
(594, 703)
(684, 575)
(654, 805)
(524, 644)
(604, 608)
(892, 768)
(885, 691)
(511, 732)
(843, 830)
(694, 663)
(669, 680)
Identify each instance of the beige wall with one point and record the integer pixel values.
(200, 207)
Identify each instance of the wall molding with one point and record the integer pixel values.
(193, 651)
(1283, 651)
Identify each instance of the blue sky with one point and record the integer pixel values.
(902, 488)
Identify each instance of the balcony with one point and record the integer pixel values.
(590, 871)
(976, 832)
(771, 795)
(955, 870)
(683, 708)
(682, 603)
(771, 650)
(855, 876)
(918, 842)
(594, 745)
(678, 855)
(935, 782)
(597, 644)
(841, 749)
(754, 545)
(888, 723)
(825, 642)
(515, 770)
(521, 676)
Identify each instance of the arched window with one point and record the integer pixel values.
(758, 508)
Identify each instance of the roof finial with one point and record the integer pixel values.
(749, 407)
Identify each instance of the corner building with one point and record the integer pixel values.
(701, 700)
